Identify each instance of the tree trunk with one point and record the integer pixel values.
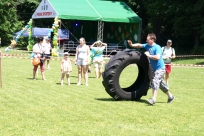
(196, 42)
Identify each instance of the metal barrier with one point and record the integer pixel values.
(70, 46)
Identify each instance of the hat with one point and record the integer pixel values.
(66, 54)
(169, 41)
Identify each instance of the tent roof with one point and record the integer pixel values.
(104, 10)
(40, 32)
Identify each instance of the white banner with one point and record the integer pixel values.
(44, 10)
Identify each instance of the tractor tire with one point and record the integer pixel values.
(116, 65)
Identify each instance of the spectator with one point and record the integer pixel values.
(98, 57)
(168, 53)
(38, 50)
(82, 59)
(48, 48)
(66, 68)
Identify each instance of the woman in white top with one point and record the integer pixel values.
(47, 52)
(168, 53)
(38, 50)
(82, 59)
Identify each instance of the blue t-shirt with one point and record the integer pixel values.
(155, 49)
(98, 51)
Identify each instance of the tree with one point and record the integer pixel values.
(181, 20)
(8, 20)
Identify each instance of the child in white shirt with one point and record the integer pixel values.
(66, 68)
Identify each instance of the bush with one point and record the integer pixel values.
(198, 50)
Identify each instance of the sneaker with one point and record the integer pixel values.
(78, 84)
(170, 99)
(86, 84)
(151, 101)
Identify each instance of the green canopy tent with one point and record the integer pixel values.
(120, 20)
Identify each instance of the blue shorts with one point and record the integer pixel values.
(82, 62)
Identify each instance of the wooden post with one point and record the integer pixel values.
(0, 69)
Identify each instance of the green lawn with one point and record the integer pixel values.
(44, 108)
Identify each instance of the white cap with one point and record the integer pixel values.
(169, 41)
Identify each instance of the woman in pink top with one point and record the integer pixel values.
(66, 68)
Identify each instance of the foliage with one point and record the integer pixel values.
(8, 20)
(30, 35)
(22, 43)
(198, 50)
(181, 21)
(55, 27)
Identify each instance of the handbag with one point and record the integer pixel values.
(36, 61)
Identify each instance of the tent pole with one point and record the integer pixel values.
(100, 30)
(60, 41)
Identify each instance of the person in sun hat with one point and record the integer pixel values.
(98, 48)
(168, 53)
(66, 68)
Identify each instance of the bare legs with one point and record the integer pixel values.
(84, 69)
(98, 72)
(42, 71)
(167, 78)
(62, 79)
(48, 64)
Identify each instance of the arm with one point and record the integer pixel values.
(105, 44)
(88, 53)
(62, 65)
(153, 57)
(93, 45)
(136, 45)
(70, 65)
(173, 56)
(76, 55)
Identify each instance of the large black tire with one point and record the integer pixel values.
(114, 68)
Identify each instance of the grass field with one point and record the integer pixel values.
(44, 108)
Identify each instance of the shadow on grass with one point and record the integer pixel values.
(30, 78)
(35, 79)
(113, 100)
(65, 83)
(82, 76)
(106, 99)
(200, 63)
(146, 102)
